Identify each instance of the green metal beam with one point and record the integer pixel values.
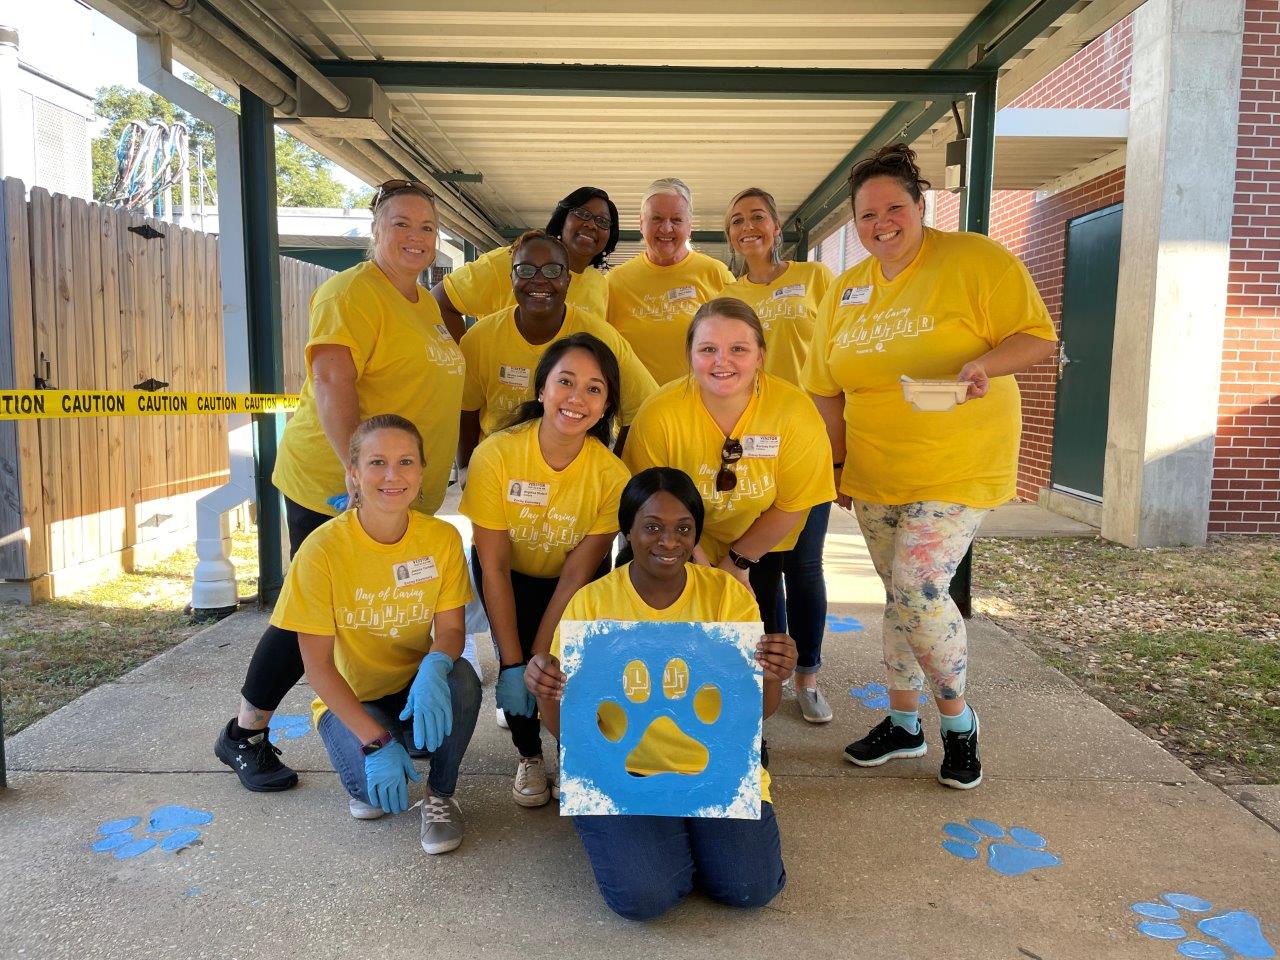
(623, 80)
(975, 201)
(266, 362)
(1001, 30)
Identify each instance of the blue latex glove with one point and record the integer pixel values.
(429, 702)
(338, 501)
(512, 695)
(385, 773)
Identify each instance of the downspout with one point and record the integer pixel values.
(213, 592)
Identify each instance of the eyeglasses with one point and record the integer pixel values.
(389, 188)
(586, 216)
(730, 454)
(527, 271)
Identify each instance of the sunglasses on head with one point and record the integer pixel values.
(586, 216)
(730, 454)
(389, 188)
(527, 271)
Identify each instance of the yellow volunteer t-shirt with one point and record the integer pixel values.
(786, 308)
(483, 286)
(406, 363)
(786, 458)
(709, 596)
(377, 600)
(962, 295)
(545, 512)
(651, 307)
(501, 364)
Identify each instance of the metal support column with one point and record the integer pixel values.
(469, 252)
(802, 242)
(975, 216)
(266, 366)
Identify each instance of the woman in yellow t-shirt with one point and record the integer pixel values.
(503, 348)
(542, 497)
(377, 343)
(646, 865)
(376, 598)
(653, 296)
(754, 445)
(586, 221)
(925, 305)
(785, 295)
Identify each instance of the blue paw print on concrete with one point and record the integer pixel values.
(842, 624)
(288, 726)
(1235, 933)
(876, 696)
(170, 827)
(1020, 852)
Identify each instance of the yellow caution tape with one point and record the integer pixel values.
(57, 404)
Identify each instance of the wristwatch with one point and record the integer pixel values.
(741, 562)
(376, 744)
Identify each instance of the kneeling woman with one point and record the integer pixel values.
(646, 865)
(542, 496)
(365, 593)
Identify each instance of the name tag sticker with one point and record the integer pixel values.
(790, 290)
(855, 295)
(514, 376)
(414, 571)
(683, 293)
(443, 331)
(529, 492)
(760, 445)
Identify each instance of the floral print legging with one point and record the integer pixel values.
(916, 548)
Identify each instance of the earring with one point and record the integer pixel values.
(418, 498)
(356, 500)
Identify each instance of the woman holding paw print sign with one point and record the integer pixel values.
(645, 865)
(365, 593)
(542, 496)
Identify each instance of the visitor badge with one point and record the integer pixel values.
(760, 445)
(855, 295)
(529, 492)
(683, 293)
(514, 376)
(414, 571)
(791, 290)
(443, 331)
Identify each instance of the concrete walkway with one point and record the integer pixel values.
(291, 875)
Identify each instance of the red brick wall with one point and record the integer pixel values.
(1246, 474)
(1096, 78)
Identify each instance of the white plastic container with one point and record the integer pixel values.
(934, 396)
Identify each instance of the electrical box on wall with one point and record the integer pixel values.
(957, 164)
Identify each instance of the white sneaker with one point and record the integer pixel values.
(501, 718)
(530, 788)
(441, 824)
(364, 811)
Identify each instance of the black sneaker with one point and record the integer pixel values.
(886, 741)
(254, 761)
(961, 767)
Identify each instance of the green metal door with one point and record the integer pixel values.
(1084, 361)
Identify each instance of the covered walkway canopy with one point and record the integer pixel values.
(504, 106)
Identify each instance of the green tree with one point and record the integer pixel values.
(304, 178)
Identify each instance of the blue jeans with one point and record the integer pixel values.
(644, 866)
(344, 746)
(805, 609)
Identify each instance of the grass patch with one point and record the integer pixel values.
(52, 652)
(1183, 643)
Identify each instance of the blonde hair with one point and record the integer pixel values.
(731, 308)
(668, 185)
(383, 421)
(771, 205)
(379, 212)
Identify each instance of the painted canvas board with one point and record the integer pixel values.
(692, 689)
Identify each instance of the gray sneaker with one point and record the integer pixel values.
(364, 811)
(441, 824)
(813, 705)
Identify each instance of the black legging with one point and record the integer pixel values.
(533, 596)
(276, 665)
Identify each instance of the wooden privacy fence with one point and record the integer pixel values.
(93, 297)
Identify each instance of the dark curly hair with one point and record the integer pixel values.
(898, 161)
(555, 226)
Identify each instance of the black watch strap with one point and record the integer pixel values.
(741, 562)
(376, 744)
